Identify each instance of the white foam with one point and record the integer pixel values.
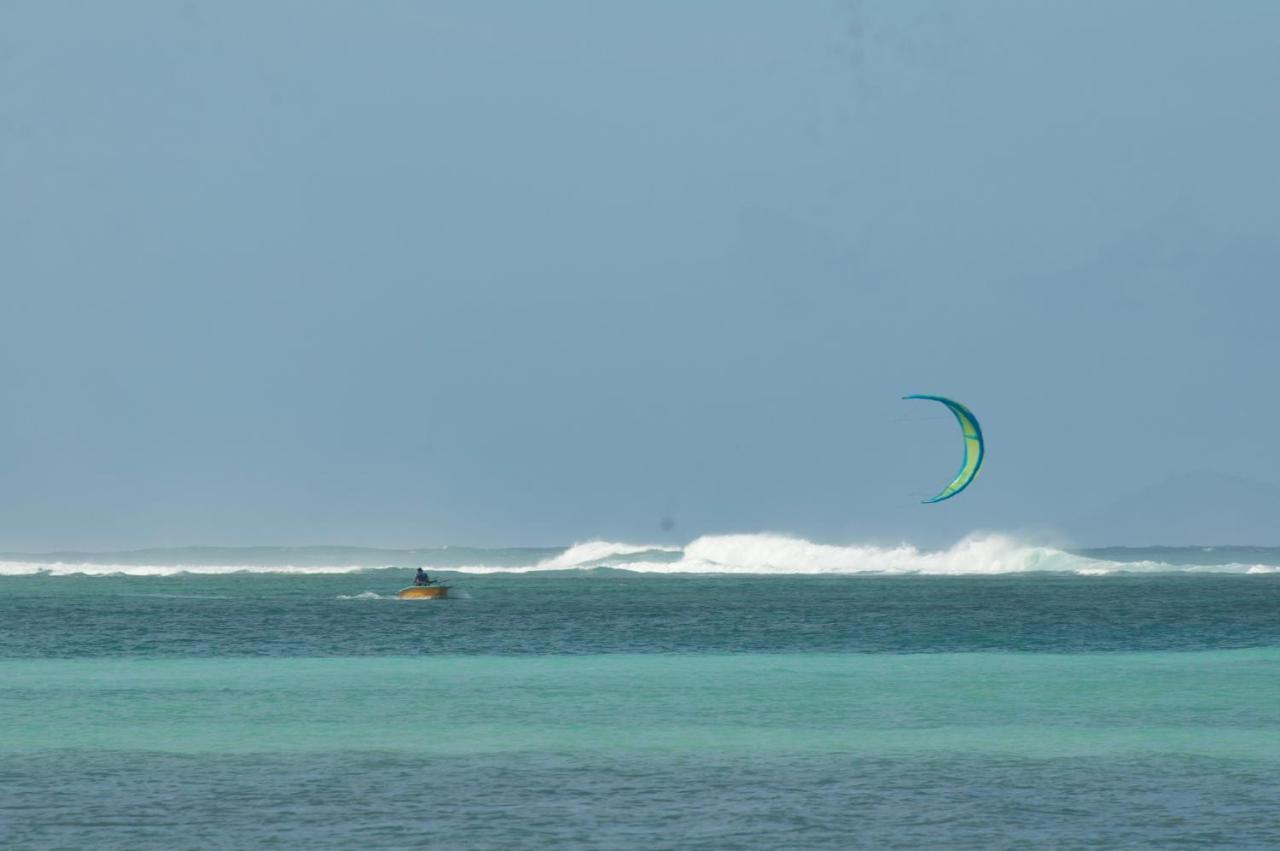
(367, 595)
(26, 568)
(595, 552)
(769, 554)
(762, 554)
(785, 555)
(781, 554)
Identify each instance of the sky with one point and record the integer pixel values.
(405, 274)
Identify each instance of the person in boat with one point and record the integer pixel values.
(421, 578)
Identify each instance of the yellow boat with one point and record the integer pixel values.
(424, 592)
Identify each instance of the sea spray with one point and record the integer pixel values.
(24, 568)
(763, 554)
(772, 554)
(596, 553)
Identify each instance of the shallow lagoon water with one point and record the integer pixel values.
(613, 709)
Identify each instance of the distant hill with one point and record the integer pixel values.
(1190, 509)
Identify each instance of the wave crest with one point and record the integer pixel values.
(780, 554)
(593, 553)
(759, 554)
(29, 568)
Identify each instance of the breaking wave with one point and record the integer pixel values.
(782, 555)
(595, 553)
(757, 554)
(57, 568)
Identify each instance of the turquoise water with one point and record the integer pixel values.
(610, 708)
(1219, 704)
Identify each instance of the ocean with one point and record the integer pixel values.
(744, 691)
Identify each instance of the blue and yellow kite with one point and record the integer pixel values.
(973, 447)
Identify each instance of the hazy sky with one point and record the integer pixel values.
(408, 273)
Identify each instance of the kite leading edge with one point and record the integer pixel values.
(973, 447)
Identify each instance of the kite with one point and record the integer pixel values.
(973, 447)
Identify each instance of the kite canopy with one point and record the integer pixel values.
(973, 447)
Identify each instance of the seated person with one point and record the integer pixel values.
(421, 578)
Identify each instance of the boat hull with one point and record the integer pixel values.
(424, 592)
